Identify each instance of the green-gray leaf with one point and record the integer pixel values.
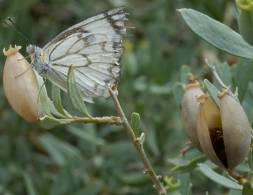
(136, 123)
(178, 92)
(182, 168)
(207, 171)
(56, 98)
(213, 91)
(29, 184)
(75, 93)
(184, 73)
(244, 67)
(60, 151)
(217, 34)
(88, 136)
(224, 72)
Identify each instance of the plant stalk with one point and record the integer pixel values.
(138, 143)
(113, 120)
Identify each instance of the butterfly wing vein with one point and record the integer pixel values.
(94, 48)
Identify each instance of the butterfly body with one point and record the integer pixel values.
(37, 60)
(92, 47)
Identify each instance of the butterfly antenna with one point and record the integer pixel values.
(9, 22)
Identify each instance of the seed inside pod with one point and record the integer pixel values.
(209, 130)
(20, 85)
(190, 107)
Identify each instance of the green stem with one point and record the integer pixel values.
(98, 120)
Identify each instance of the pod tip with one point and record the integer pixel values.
(202, 98)
(223, 93)
(11, 50)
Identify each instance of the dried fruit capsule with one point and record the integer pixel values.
(236, 129)
(190, 107)
(20, 85)
(208, 125)
(224, 133)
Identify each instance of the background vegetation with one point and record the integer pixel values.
(100, 159)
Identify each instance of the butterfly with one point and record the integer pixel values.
(92, 47)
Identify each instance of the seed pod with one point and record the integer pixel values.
(236, 129)
(190, 107)
(20, 85)
(208, 129)
(223, 133)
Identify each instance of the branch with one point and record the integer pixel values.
(138, 143)
(98, 120)
(222, 84)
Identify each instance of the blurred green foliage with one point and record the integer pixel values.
(100, 159)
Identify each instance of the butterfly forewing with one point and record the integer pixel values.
(93, 47)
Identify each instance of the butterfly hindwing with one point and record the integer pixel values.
(93, 47)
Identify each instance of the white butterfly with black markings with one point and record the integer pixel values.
(93, 47)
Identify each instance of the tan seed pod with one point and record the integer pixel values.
(236, 129)
(20, 85)
(190, 107)
(224, 133)
(208, 124)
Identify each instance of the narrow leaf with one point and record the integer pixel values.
(250, 158)
(56, 98)
(244, 67)
(184, 73)
(132, 178)
(136, 123)
(48, 143)
(213, 91)
(178, 92)
(87, 136)
(245, 22)
(189, 165)
(95, 187)
(220, 179)
(152, 142)
(60, 151)
(186, 185)
(46, 103)
(224, 72)
(216, 33)
(75, 93)
(29, 184)
(42, 96)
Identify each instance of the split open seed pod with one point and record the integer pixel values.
(20, 85)
(190, 108)
(224, 133)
